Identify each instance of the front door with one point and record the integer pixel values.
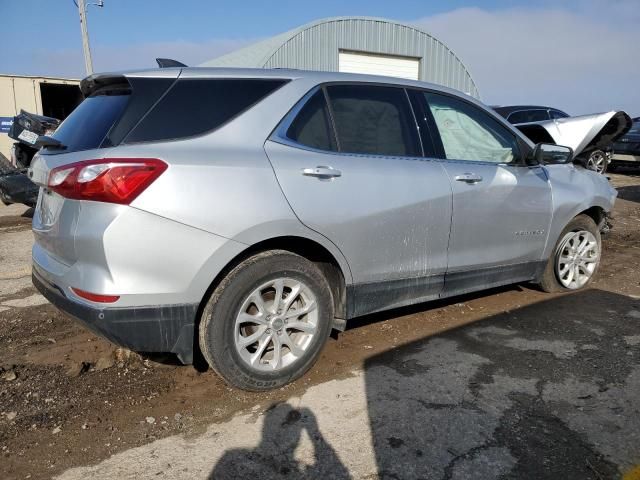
(501, 206)
(368, 189)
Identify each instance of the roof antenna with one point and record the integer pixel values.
(168, 63)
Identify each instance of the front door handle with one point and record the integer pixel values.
(321, 172)
(468, 178)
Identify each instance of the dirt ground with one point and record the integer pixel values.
(69, 398)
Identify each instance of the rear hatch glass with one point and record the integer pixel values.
(156, 109)
(88, 125)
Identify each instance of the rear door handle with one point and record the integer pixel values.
(468, 178)
(321, 172)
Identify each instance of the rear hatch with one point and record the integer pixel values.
(113, 106)
(84, 180)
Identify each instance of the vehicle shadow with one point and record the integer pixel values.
(378, 317)
(274, 456)
(630, 193)
(526, 394)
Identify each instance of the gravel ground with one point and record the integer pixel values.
(510, 383)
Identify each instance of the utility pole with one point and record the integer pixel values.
(82, 9)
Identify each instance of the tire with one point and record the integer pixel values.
(243, 307)
(553, 279)
(597, 161)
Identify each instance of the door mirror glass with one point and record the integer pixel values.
(549, 154)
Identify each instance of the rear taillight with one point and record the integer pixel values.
(95, 297)
(112, 180)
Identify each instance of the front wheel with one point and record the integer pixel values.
(267, 321)
(576, 257)
(598, 161)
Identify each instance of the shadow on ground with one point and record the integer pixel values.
(631, 193)
(551, 390)
(274, 457)
(548, 391)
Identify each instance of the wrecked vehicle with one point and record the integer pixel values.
(590, 136)
(626, 150)
(529, 113)
(244, 214)
(27, 128)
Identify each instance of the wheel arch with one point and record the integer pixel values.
(597, 214)
(303, 246)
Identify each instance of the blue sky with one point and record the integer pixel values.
(580, 55)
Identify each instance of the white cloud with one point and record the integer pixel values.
(583, 60)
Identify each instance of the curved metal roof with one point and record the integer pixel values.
(325, 37)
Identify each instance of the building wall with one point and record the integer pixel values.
(18, 93)
(317, 47)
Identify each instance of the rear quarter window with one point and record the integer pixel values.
(196, 106)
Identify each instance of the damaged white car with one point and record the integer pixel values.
(590, 136)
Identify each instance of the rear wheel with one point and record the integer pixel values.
(267, 321)
(576, 257)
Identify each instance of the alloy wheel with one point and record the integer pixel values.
(276, 324)
(597, 162)
(577, 259)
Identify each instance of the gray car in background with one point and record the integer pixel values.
(246, 213)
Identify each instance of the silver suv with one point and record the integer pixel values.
(246, 213)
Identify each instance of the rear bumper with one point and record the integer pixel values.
(163, 328)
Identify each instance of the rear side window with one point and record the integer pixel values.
(373, 120)
(312, 125)
(90, 122)
(195, 106)
(524, 116)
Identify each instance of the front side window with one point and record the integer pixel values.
(468, 133)
(373, 120)
(312, 125)
(525, 116)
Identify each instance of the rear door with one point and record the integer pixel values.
(501, 206)
(367, 187)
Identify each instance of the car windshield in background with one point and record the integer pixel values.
(525, 116)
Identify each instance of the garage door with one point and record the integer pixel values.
(374, 64)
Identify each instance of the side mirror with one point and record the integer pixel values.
(549, 154)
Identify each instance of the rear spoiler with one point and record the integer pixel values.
(99, 80)
(115, 80)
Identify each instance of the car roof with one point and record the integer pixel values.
(285, 73)
(515, 108)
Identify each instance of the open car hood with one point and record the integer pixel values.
(583, 134)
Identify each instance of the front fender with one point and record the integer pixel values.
(575, 189)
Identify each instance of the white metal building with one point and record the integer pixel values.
(357, 45)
